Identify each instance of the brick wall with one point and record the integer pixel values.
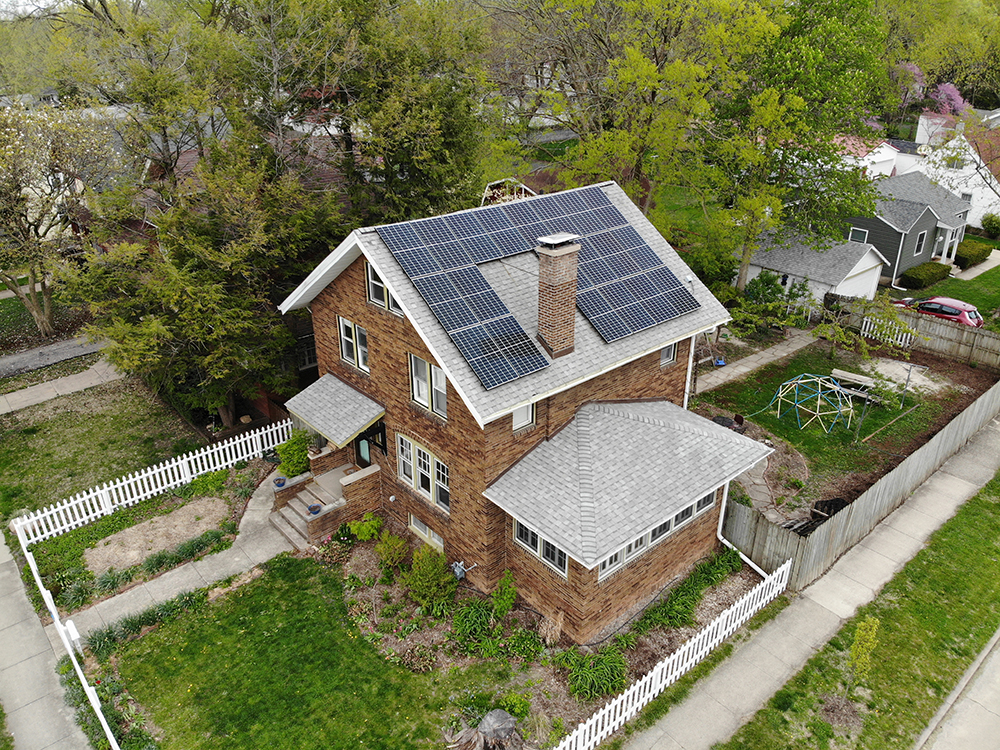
(329, 459)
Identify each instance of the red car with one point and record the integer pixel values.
(944, 307)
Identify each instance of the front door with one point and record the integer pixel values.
(362, 451)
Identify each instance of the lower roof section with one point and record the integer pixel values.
(616, 471)
(335, 409)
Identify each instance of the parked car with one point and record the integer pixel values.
(944, 307)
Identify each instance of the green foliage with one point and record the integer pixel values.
(865, 641)
(524, 644)
(922, 276)
(887, 326)
(210, 484)
(473, 622)
(970, 252)
(594, 675)
(391, 550)
(430, 582)
(766, 304)
(516, 704)
(677, 610)
(991, 225)
(367, 528)
(504, 596)
(294, 454)
(103, 642)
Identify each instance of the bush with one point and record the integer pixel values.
(391, 551)
(430, 582)
(473, 622)
(594, 675)
(294, 454)
(517, 705)
(970, 252)
(991, 225)
(504, 596)
(367, 528)
(210, 484)
(922, 276)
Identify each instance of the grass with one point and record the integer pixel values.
(45, 374)
(53, 450)
(935, 616)
(6, 741)
(827, 453)
(18, 330)
(277, 664)
(983, 291)
(680, 208)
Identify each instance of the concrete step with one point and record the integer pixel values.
(291, 527)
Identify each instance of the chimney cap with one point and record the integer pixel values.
(558, 240)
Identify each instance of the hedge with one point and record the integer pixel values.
(970, 252)
(991, 225)
(922, 276)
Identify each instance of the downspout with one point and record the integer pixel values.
(899, 254)
(726, 542)
(690, 373)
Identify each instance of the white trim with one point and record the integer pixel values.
(850, 234)
(423, 463)
(515, 426)
(921, 243)
(690, 371)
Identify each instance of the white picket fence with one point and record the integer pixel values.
(885, 332)
(590, 733)
(97, 502)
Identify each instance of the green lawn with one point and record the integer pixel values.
(6, 741)
(935, 616)
(277, 664)
(827, 453)
(679, 207)
(55, 449)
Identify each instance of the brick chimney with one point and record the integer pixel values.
(557, 262)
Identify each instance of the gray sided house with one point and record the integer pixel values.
(850, 269)
(915, 221)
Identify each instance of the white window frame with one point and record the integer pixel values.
(429, 386)
(426, 533)
(858, 229)
(705, 503)
(355, 337)
(439, 392)
(423, 472)
(688, 512)
(668, 355)
(541, 551)
(523, 416)
(375, 285)
(918, 249)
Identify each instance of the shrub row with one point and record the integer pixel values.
(970, 252)
(922, 276)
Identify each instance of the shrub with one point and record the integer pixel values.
(677, 610)
(922, 276)
(391, 550)
(209, 484)
(516, 704)
(430, 582)
(472, 622)
(367, 528)
(294, 454)
(524, 644)
(109, 581)
(504, 596)
(970, 252)
(594, 675)
(76, 595)
(991, 225)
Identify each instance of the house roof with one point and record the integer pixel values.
(907, 196)
(335, 409)
(905, 147)
(515, 281)
(584, 490)
(857, 146)
(811, 257)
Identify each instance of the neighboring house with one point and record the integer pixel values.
(849, 269)
(522, 392)
(877, 158)
(915, 221)
(908, 153)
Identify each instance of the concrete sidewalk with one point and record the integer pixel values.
(796, 340)
(50, 354)
(721, 703)
(30, 693)
(101, 372)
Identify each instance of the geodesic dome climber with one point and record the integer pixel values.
(814, 398)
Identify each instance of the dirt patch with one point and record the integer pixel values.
(841, 712)
(133, 545)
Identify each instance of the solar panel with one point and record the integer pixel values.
(433, 231)
(398, 237)
(465, 225)
(451, 255)
(454, 314)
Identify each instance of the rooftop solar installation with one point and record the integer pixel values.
(623, 286)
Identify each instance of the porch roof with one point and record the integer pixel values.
(616, 471)
(335, 409)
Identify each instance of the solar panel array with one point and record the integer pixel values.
(622, 286)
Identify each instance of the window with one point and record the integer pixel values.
(426, 533)
(428, 386)
(635, 547)
(540, 547)
(610, 563)
(378, 294)
(859, 235)
(668, 355)
(305, 352)
(683, 516)
(353, 344)
(967, 197)
(659, 532)
(954, 162)
(705, 503)
(920, 243)
(524, 416)
(428, 476)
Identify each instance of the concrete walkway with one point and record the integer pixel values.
(43, 356)
(101, 372)
(796, 340)
(30, 693)
(721, 703)
(990, 263)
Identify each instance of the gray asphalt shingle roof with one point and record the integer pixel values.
(810, 257)
(586, 492)
(907, 196)
(334, 409)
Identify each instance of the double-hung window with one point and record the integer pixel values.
(920, 243)
(353, 344)
(428, 386)
(378, 293)
(423, 472)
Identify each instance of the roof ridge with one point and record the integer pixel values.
(682, 424)
(585, 465)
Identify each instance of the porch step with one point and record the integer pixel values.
(291, 526)
(309, 494)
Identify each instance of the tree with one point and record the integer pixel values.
(50, 162)
(840, 324)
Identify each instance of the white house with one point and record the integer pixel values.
(876, 158)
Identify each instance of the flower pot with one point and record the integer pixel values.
(314, 509)
(280, 481)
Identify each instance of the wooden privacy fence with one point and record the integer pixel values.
(939, 336)
(97, 502)
(590, 733)
(768, 545)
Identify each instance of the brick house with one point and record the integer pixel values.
(512, 383)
